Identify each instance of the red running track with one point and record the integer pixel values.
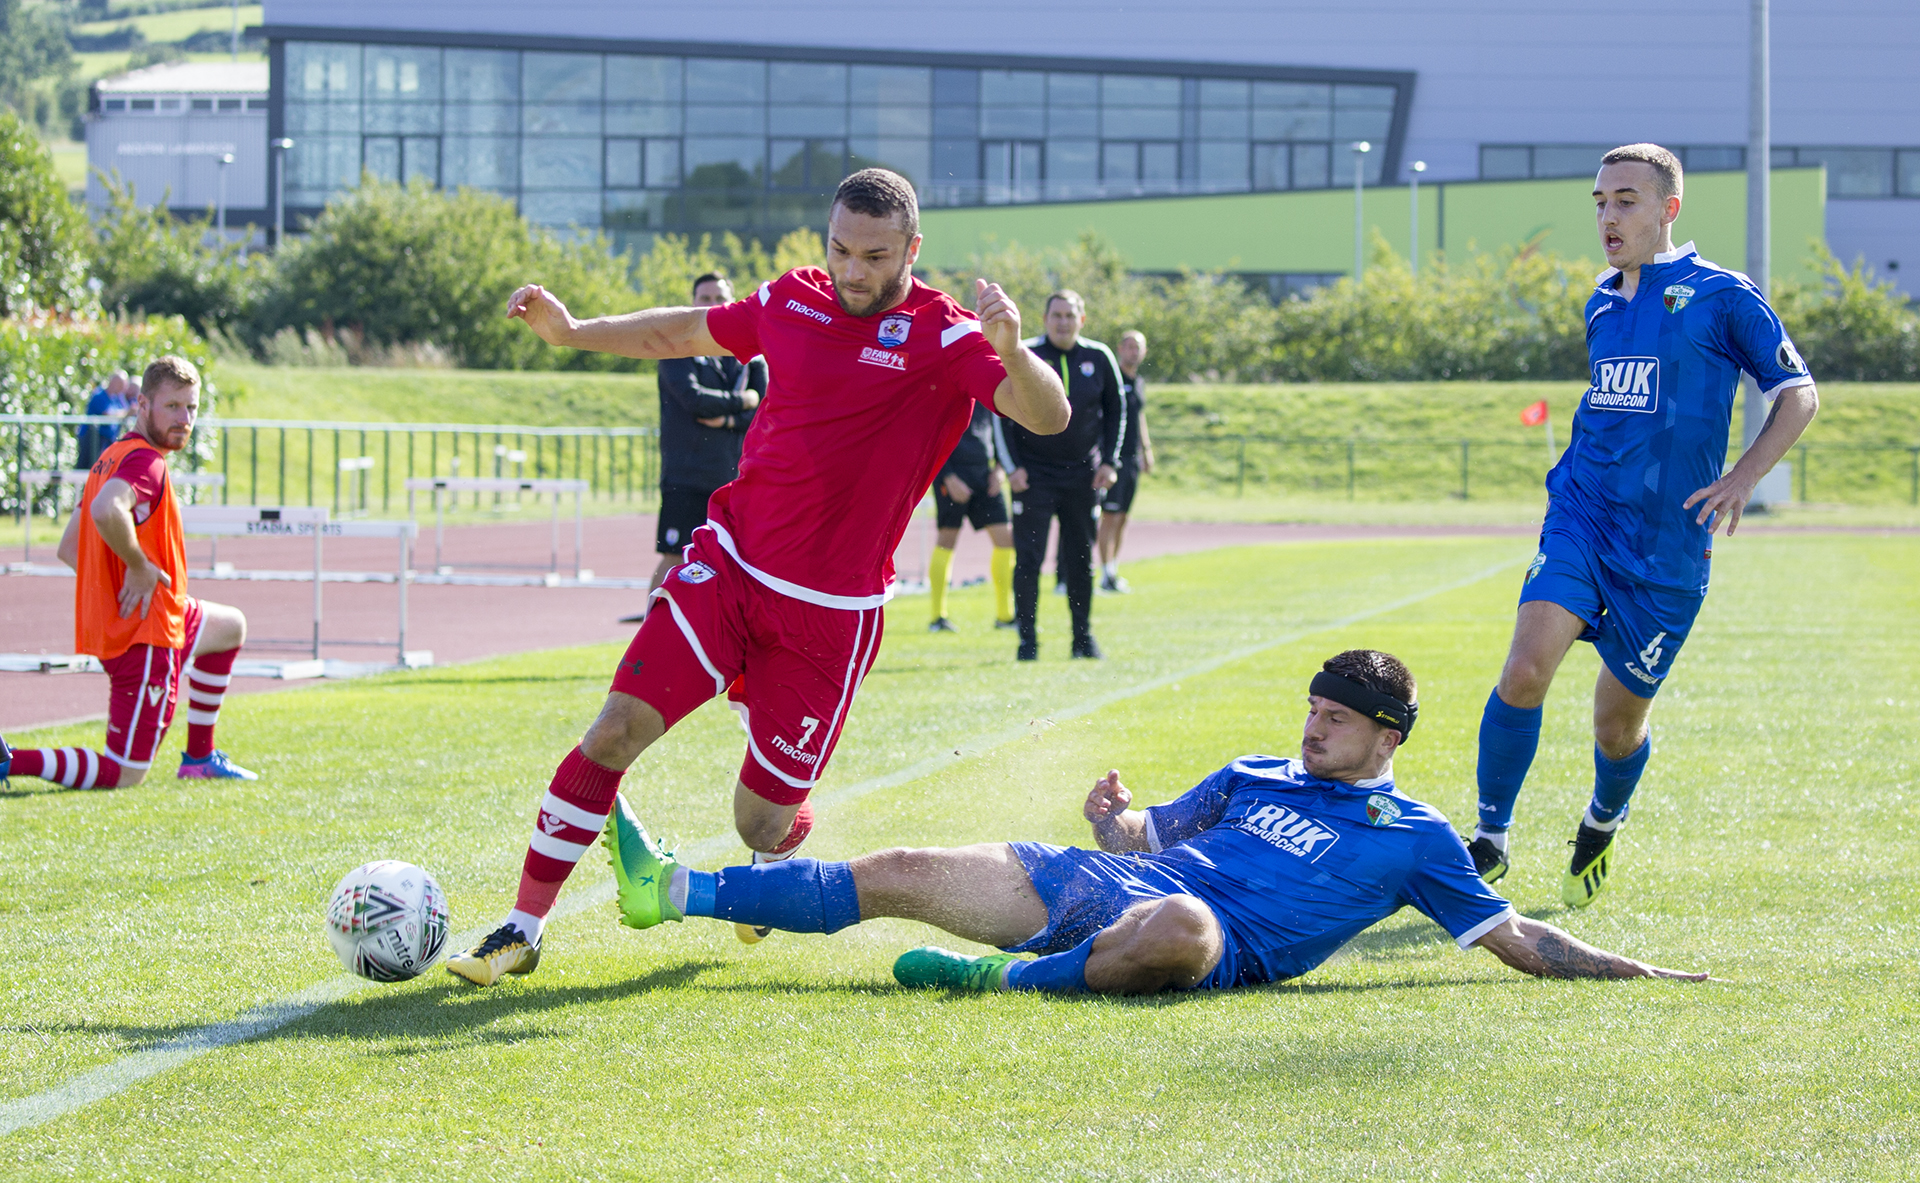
(462, 624)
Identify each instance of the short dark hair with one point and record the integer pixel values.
(170, 370)
(1070, 296)
(881, 193)
(1375, 670)
(1665, 165)
(711, 277)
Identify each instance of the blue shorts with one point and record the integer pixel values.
(1637, 630)
(1087, 890)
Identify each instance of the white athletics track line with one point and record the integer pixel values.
(108, 1080)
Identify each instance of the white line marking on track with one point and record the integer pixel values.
(97, 1084)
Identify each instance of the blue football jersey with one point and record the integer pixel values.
(1296, 866)
(1651, 429)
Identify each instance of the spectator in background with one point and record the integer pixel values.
(968, 489)
(1136, 457)
(115, 398)
(706, 405)
(1064, 475)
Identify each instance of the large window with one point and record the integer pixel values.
(643, 143)
(1851, 172)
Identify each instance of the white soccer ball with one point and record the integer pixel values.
(387, 921)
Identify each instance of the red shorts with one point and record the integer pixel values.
(790, 668)
(145, 684)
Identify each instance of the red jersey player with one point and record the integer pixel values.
(778, 602)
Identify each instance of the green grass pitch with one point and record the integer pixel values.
(1772, 843)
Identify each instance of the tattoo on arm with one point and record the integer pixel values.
(1772, 414)
(1561, 956)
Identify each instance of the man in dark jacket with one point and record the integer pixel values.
(706, 405)
(1063, 475)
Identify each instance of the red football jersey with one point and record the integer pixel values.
(860, 413)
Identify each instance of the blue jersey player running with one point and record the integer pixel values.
(1258, 873)
(1635, 501)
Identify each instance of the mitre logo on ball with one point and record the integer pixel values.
(894, 329)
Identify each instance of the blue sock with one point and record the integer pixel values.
(1508, 738)
(1061, 973)
(797, 895)
(1615, 780)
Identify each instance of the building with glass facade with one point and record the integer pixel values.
(742, 114)
(639, 143)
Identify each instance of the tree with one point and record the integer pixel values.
(43, 237)
(33, 46)
(148, 262)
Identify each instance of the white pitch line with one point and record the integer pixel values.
(98, 1084)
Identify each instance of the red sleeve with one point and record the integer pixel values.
(736, 326)
(972, 362)
(146, 470)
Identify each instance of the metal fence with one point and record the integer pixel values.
(354, 468)
(363, 467)
(1429, 468)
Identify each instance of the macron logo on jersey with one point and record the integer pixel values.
(1290, 831)
(1625, 384)
(815, 313)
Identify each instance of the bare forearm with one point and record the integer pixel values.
(1121, 832)
(651, 332)
(1032, 395)
(1792, 411)
(1537, 948)
(116, 528)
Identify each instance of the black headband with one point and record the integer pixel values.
(1384, 709)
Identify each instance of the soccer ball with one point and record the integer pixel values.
(387, 921)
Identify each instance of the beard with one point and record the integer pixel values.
(889, 294)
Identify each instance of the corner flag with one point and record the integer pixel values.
(1536, 416)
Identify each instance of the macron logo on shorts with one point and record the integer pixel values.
(1625, 384)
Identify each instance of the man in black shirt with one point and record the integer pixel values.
(1064, 474)
(706, 405)
(968, 489)
(1136, 457)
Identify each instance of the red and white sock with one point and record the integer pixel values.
(76, 768)
(571, 817)
(207, 678)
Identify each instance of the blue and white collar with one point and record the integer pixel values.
(1604, 280)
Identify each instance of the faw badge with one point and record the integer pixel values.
(1677, 296)
(1382, 810)
(894, 330)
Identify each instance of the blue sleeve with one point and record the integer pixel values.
(1447, 891)
(1758, 342)
(1199, 808)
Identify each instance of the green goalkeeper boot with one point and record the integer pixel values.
(933, 968)
(642, 871)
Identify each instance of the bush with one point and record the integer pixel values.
(43, 236)
(417, 265)
(665, 274)
(1848, 326)
(149, 262)
(49, 365)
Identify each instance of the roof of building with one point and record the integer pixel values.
(190, 77)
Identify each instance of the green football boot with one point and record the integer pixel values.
(934, 968)
(641, 870)
(1592, 861)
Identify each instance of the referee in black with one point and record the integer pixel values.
(1063, 475)
(706, 405)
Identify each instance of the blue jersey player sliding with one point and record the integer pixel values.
(1636, 500)
(1258, 873)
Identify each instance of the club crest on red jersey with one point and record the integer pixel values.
(695, 573)
(894, 328)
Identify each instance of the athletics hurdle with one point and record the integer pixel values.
(252, 521)
(438, 485)
(38, 478)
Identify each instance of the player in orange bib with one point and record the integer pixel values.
(131, 607)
